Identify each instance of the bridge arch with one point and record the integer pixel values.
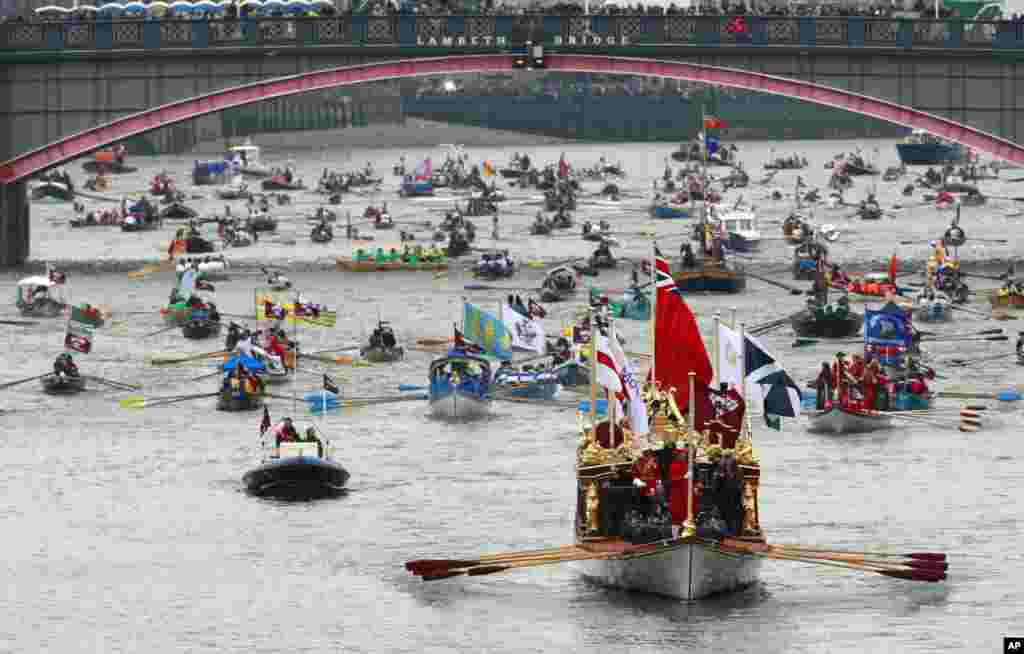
(82, 143)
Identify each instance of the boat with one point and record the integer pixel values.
(872, 285)
(869, 209)
(213, 268)
(602, 259)
(178, 211)
(786, 163)
(54, 187)
(40, 297)
(724, 156)
(932, 306)
(558, 285)
(495, 265)
(282, 183)
(838, 420)
(372, 265)
(62, 384)
(245, 156)
(893, 173)
(322, 233)
(412, 189)
(539, 385)
(109, 162)
(923, 149)
(298, 471)
(668, 211)
(460, 386)
(711, 277)
(260, 221)
(200, 327)
(808, 257)
(383, 347)
(740, 228)
(210, 173)
(573, 374)
(247, 402)
(235, 192)
(834, 320)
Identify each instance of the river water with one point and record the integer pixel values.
(127, 530)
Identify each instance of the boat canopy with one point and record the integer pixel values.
(37, 280)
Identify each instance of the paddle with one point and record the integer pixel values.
(22, 381)
(791, 289)
(141, 402)
(165, 361)
(114, 384)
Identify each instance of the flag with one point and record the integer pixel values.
(330, 386)
(782, 397)
(265, 424)
(711, 122)
(563, 167)
(462, 344)
(631, 387)
(713, 144)
(729, 351)
(607, 370)
(678, 348)
(79, 315)
(536, 310)
(78, 340)
(526, 334)
(892, 268)
(487, 331)
(488, 169)
(425, 170)
(57, 277)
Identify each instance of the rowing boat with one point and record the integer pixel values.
(352, 265)
(838, 420)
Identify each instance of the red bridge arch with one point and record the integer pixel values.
(82, 143)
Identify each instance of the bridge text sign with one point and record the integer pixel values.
(462, 41)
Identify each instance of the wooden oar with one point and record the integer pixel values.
(970, 362)
(955, 307)
(343, 360)
(161, 331)
(19, 323)
(113, 384)
(22, 381)
(164, 361)
(791, 289)
(206, 376)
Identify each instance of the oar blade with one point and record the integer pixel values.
(133, 402)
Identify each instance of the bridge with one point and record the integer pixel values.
(68, 88)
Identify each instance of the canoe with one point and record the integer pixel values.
(383, 354)
(297, 478)
(197, 329)
(351, 265)
(227, 402)
(54, 385)
(841, 421)
(805, 324)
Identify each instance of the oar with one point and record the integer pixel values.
(141, 402)
(19, 323)
(164, 361)
(971, 362)
(982, 332)
(207, 376)
(161, 331)
(22, 381)
(966, 339)
(114, 384)
(966, 310)
(412, 387)
(343, 360)
(791, 289)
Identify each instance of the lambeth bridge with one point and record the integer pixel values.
(70, 87)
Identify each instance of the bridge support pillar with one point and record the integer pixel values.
(14, 223)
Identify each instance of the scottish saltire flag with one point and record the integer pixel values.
(780, 395)
(486, 331)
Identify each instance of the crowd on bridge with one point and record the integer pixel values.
(231, 10)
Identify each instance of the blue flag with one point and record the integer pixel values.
(712, 145)
(487, 331)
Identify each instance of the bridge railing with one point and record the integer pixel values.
(602, 33)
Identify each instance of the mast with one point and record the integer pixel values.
(593, 375)
(715, 372)
(690, 446)
(611, 397)
(654, 303)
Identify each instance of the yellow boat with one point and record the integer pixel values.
(351, 265)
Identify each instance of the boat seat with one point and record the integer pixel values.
(290, 449)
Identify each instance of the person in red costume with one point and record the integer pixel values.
(277, 346)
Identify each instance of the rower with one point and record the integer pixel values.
(64, 365)
(285, 432)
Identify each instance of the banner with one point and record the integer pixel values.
(487, 331)
(526, 334)
(887, 335)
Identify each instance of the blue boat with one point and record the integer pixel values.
(205, 173)
(460, 386)
(668, 211)
(924, 149)
(411, 188)
(542, 385)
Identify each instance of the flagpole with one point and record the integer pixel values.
(654, 304)
(715, 367)
(691, 445)
(593, 374)
(611, 397)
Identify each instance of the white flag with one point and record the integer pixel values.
(730, 353)
(526, 334)
(607, 370)
(637, 407)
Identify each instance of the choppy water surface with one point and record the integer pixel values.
(128, 531)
